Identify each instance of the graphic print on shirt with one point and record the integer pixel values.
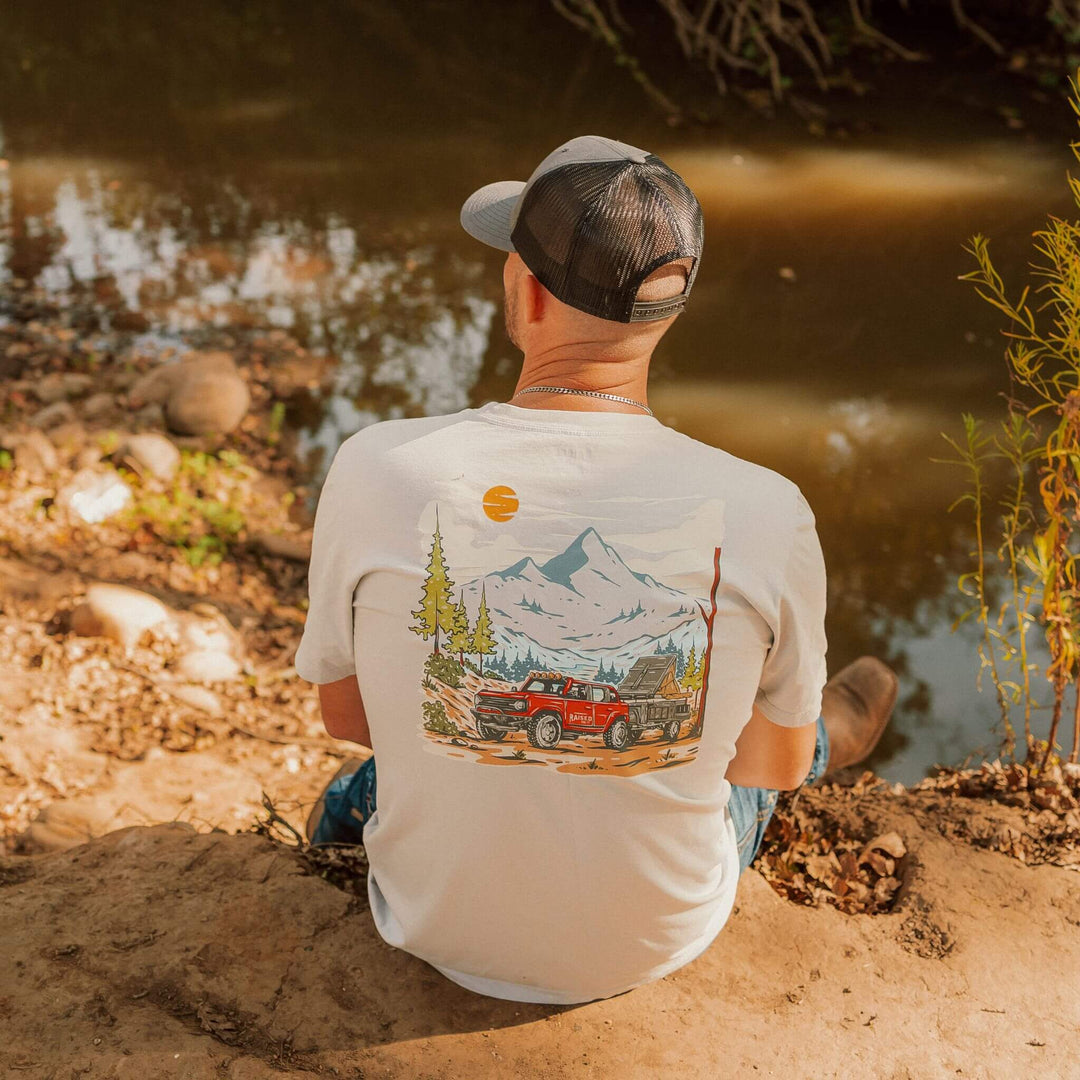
(553, 645)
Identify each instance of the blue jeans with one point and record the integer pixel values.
(350, 801)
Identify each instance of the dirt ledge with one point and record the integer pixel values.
(164, 952)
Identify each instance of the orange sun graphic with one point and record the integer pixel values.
(500, 503)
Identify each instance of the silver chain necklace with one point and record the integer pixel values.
(590, 393)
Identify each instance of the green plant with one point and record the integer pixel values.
(203, 514)
(6, 460)
(436, 720)
(275, 422)
(444, 668)
(1039, 446)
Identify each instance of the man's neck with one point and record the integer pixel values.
(582, 370)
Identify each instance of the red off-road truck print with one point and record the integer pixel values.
(550, 706)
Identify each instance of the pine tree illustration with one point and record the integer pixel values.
(692, 677)
(483, 640)
(436, 611)
(460, 635)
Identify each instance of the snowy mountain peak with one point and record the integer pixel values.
(588, 549)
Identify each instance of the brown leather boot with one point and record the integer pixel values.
(856, 704)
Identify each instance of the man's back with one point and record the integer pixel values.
(560, 623)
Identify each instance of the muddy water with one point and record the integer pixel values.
(308, 178)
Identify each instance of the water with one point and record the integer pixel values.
(179, 170)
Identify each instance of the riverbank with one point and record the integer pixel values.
(154, 529)
(169, 952)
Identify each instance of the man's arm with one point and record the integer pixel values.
(343, 711)
(770, 756)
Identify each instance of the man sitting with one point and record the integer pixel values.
(526, 844)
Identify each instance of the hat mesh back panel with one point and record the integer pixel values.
(591, 232)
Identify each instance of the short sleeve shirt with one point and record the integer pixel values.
(560, 621)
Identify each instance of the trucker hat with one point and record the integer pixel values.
(593, 221)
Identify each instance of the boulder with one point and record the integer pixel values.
(117, 612)
(203, 394)
(151, 454)
(208, 401)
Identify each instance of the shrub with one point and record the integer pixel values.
(444, 668)
(436, 720)
(1035, 548)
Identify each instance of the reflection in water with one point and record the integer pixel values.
(407, 312)
(408, 327)
(826, 179)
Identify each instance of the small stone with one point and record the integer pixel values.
(98, 405)
(94, 495)
(198, 697)
(208, 666)
(118, 612)
(59, 386)
(69, 438)
(50, 389)
(295, 546)
(53, 415)
(77, 383)
(153, 454)
(150, 416)
(36, 456)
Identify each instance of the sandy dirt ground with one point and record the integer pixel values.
(167, 952)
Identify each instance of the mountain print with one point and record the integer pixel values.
(572, 659)
(582, 608)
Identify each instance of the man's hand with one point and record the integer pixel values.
(343, 711)
(771, 756)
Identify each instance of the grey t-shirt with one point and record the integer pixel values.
(560, 622)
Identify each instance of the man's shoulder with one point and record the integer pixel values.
(742, 478)
(384, 435)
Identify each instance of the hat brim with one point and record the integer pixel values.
(486, 213)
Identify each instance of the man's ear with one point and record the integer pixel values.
(535, 299)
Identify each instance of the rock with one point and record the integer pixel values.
(36, 456)
(295, 546)
(22, 583)
(150, 416)
(98, 405)
(59, 386)
(208, 666)
(69, 438)
(50, 389)
(211, 398)
(211, 648)
(117, 612)
(154, 387)
(53, 415)
(198, 697)
(63, 825)
(94, 495)
(153, 454)
(203, 394)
